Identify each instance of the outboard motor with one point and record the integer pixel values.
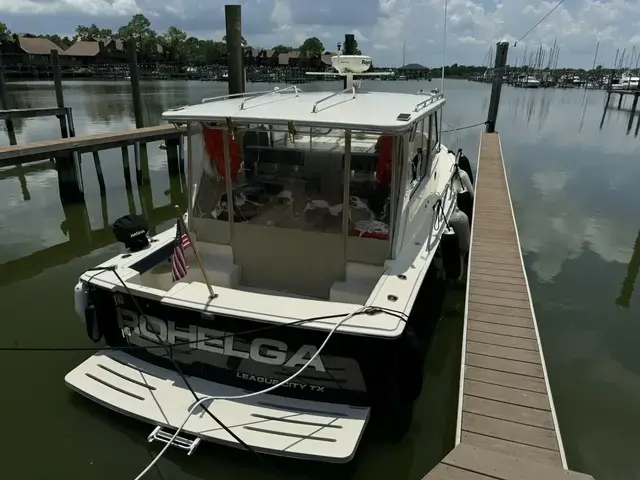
(132, 231)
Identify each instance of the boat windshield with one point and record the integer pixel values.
(294, 178)
(276, 196)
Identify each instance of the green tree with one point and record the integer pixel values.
(173, 42)
(243, 41)
(281, 49)
(139, 29)
(311, 47)
(5, 34)
(92, 32)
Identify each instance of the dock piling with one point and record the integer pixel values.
(68, 164)
(173, 155)
(235, 58)
(501, 60)
(99, 174)
(4, 104)
(125, 166)
(134, 75)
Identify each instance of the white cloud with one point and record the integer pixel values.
(381, 26)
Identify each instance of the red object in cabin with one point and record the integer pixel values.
(385, 154)
(214, 146)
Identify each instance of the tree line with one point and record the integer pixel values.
(176, 44)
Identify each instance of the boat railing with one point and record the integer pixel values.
(249, 95)
(293, 88)
(432, 97)
(351, 89)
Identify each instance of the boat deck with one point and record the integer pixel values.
(507, 427)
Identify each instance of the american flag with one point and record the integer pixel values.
(178, 261)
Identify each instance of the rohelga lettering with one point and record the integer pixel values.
(303, 355)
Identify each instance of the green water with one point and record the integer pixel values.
(574, 189)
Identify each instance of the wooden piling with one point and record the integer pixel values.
(620, 101)
(4, 104)
(57, 85)
(99, 174)
(125, 166)
(67, 164)
(173, 159)
(501, 60)
(134, 75)
(235, 58)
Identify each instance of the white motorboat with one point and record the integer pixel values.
(325, 227)
(626, 82)
(530, 82)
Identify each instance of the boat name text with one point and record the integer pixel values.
(262, 350)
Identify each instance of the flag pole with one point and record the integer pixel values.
(212, 294)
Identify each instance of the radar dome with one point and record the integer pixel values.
(351, 63)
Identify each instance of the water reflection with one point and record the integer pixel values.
(82, 239)
(632, 274)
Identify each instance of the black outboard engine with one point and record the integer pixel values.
(132, 231)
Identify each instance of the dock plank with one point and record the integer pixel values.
(506, 353)
(507, 395)
(492, 299)
(501, 319)
(505, 467)
(520, 332)
(523, 382)
(518, 450)
(498, 310)
(505, 430)
(504, 365)
(512, 413)
(502, 340)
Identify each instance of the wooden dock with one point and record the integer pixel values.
(31, 152)
(507, 427)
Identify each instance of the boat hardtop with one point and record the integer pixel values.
(349, 109)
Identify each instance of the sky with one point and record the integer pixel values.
(380, 26)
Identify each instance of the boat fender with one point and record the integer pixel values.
(91, 321)
(451, 253)
(466, 182)
(410, 366)
(465, 204)
(464, 164)
(80, 298)
(460, 224)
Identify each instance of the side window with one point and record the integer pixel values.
(418, 155)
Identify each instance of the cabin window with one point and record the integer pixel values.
(287, 178)
(433, 119)
(418, 153)
(211, 198)
(372, 158)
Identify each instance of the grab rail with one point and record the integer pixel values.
(295, 89)
(432, 98)
(315, 105)
(244, 94)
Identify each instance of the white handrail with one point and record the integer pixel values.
(296, 90)
(315, 105)
(432, 98)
